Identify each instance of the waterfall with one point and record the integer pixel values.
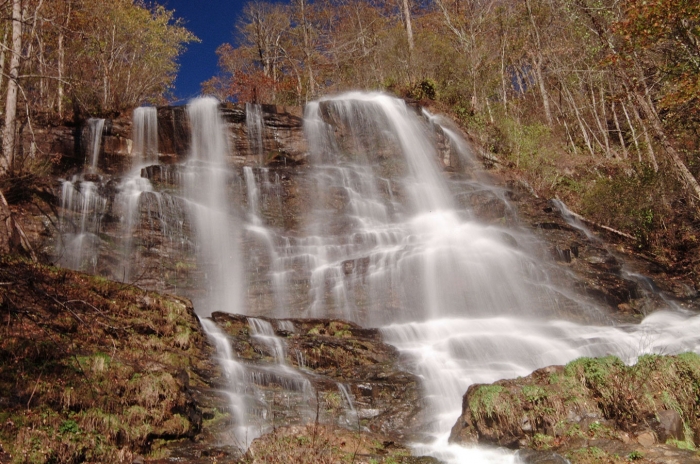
(255, 127)
(243, 432)
(82, 209)
(208, 179)
(253, 193)
(467, 301)
(145, 137)
(380, 236)
(95, 129)
(133, 186)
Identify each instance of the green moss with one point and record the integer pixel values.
(88, 401)
(534, 393)
(682, 444)
(541, 441)
(489, 400)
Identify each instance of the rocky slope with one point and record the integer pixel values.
(91, 370)
(97, 371)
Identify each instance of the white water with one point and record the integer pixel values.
(454, 294)
(208, 179)
(255, 127)
(96, 126)
(383, 243)
(82, 209)
(235, 373)
(145, 137)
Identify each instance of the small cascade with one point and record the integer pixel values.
(262, 331)
(264, 237)
(573, 219)
(278, 375)
(145, 137)
(281, 373)
(255, 126)
(82, 210)
(83, 207)
(350, 418)
(133, 186)
(253, 195)
(458, 153)
(235, 372)
(95, 129)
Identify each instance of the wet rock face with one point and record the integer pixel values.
(606, 274)
(281, 134)
(359, 380)
(620, 410)
(606, 268)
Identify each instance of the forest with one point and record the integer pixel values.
(592, 101)
(65, 60)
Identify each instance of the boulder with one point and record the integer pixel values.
(589, 403)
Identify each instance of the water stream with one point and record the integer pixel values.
(96, 127)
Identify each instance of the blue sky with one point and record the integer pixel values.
(213, 22)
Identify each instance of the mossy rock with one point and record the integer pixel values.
(592, 409)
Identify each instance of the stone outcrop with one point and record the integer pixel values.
(69, 146)
(333, 356)
(647, 412)
(281, 134)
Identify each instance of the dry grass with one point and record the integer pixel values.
(91, 370)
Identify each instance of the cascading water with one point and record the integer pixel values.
(96, 127)
(235, 373)
(382, 257)
(254, 125)
(467, 301)
(82, 209)
(383, 239)
(145, 137)
(208, 179)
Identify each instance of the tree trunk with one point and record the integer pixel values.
(683, 171)
(307, 51)
(8, 136)
(2, 61)
(409, 29)
(537, 59)
(61, 60)
(543, 91)
(619, 131)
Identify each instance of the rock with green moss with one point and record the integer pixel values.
(342, 361)
(592, 410)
